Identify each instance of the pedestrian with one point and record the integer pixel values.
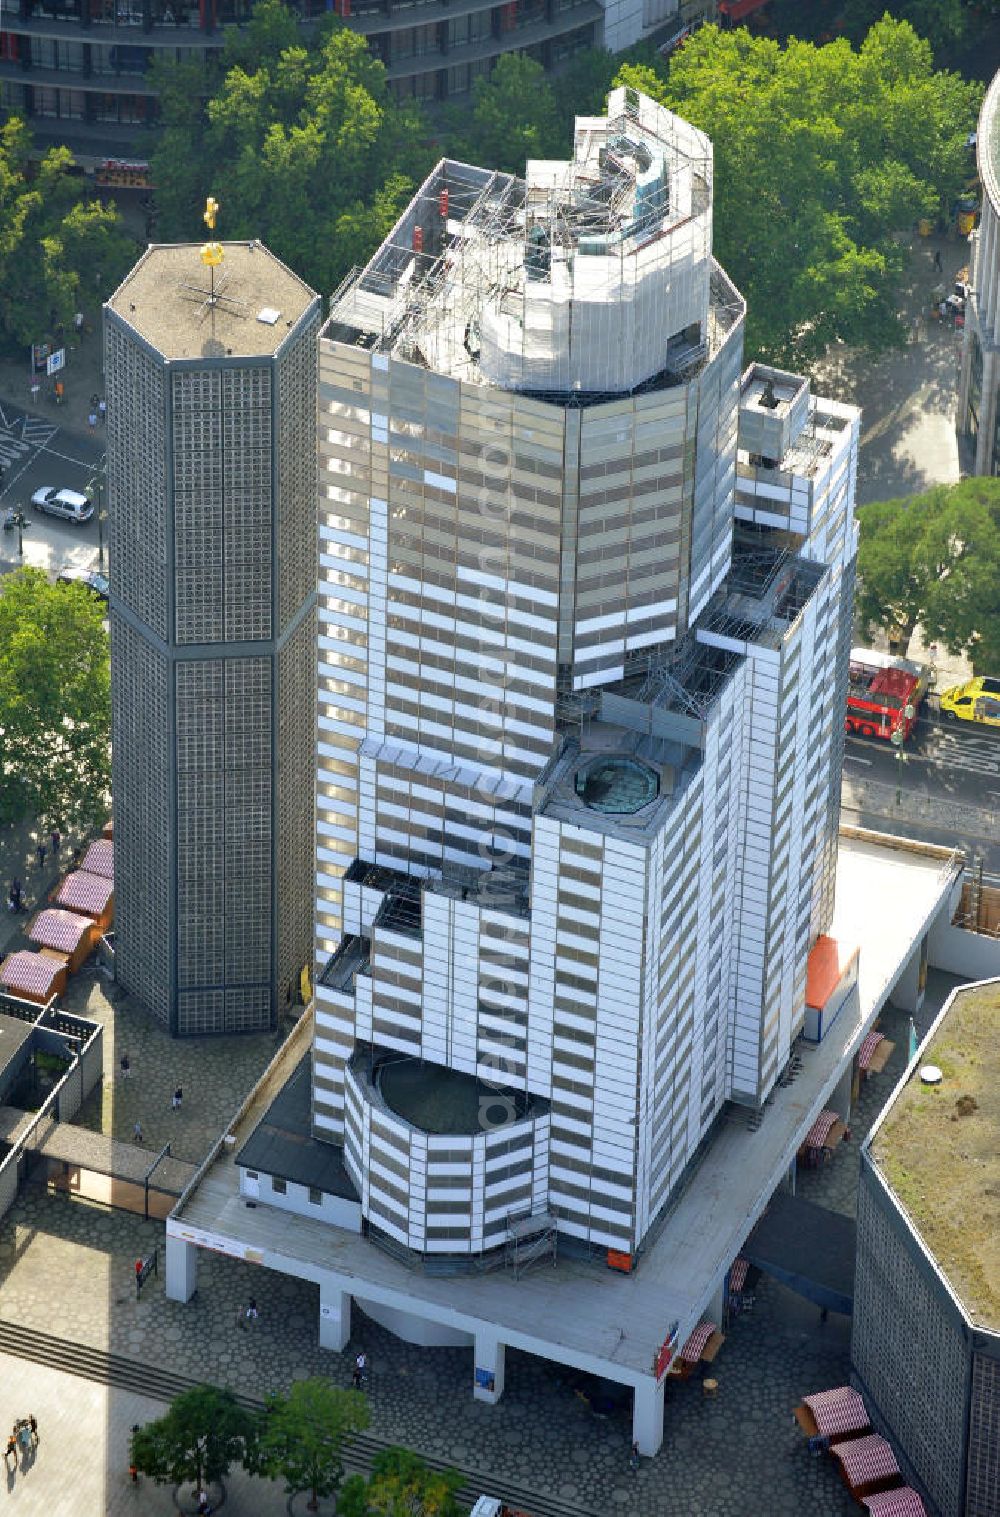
(34, 1428)
(137, 1133)
(78, 323)
(102, 409)
(252, 1312)
(40, 853)
(93, 400)
(16, 892)
(125, 1065)
(633, 1459)
(204, 1505)
(133, 1468)
(59, 389)
(937, 260)
(92, 421)
(56, 842)
(360, 1370)
(11, 1449)
(241, 1318)
(176, 1099)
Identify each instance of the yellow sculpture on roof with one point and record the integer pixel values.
(212, 253)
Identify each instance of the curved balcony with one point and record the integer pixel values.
(442, 1160)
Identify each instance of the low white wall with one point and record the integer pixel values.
(959, 951)
(414, 1329)
(335, 1209)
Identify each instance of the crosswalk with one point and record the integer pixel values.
(21, 434)
(960, 750)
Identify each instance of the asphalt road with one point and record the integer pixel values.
(948, 788)
(34, 452)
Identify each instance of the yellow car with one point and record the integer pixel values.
(976, 701)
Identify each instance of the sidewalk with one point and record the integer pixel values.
(18, 842)
(82, 377)
(908, 397)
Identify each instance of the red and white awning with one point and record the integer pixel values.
(838, 1411)
(865, 1460)
(867, 1048)
(54, 928)
(695, 1346)
(820, 1130)
(902, 1502)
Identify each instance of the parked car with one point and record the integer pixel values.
(69, 504)
(98, 583)
(976, 701)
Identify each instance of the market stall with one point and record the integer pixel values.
(67, 932)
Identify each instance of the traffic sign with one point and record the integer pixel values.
(55, 361)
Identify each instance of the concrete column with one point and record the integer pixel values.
(790, 1177)
(647, 1416)
(717, 1305)
(489, 1369)
(334, 1318)
(181, 1269)
(908, 992)
(840, 1099)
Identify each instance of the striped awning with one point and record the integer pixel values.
(28, 973)
(738, 1274)
(100, 858)
(54, 928)
(865, 1460)
(902, 1502)
(820, 1130)
(838, 1411)
(89, 893)
(695, 1346)
(867, 1048)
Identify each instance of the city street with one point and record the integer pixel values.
(948, 787)
(36, 451)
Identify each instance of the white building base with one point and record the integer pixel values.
(591, 1318)
(414, 1329)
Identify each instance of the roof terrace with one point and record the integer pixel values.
(937, 1148)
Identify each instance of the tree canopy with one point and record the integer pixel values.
(822, 154)
(935, 559)
(203, 1432)
(55, 702)
(400, 1485)
(57, 247)
(303, 1434)
(302, 144)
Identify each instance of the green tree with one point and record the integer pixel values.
(303, 1435)
(514, 117)
(823, 156)
(303, 145)
(55, 702)
(203, 1432)
(400, 1485)
(935, 560)
(56, 247)
(963, 605)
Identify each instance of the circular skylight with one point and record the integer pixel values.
(617, 785)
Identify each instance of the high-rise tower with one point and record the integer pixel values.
(584, 622)
(211, 385)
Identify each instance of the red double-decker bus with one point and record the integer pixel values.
(883, 694)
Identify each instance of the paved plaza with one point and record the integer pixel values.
(66, 1267)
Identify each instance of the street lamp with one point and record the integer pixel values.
(96, 486)
(898, 738)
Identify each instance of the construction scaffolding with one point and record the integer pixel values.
(591, 276)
